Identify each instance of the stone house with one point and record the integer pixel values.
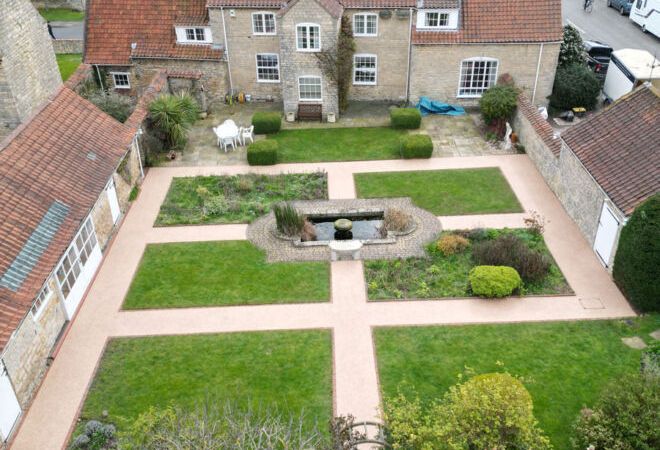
(28, 69)
(65, 178)
(602, 168)
(450, 50)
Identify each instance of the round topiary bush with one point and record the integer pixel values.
(262, 153)
(266, 122)
(637, 260)
(405, 118)
(416, 146)
(494, 281)
(575, 85)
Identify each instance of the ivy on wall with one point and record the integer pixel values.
(337, 62)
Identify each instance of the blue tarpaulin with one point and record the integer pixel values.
(427, 106)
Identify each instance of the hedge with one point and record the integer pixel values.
(266, 122)
(575, 85)
(494, 281)
(262, 153)
(416, 146)
(637, 260)
(405, 118)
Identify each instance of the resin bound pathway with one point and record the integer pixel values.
(51, 417)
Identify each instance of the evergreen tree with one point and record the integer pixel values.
(572, 48)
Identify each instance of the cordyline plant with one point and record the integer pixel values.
(337, 62)
(172, 115)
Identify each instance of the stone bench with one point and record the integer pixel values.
(339, 249)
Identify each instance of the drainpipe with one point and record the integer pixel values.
(98, 74)
(224, 32)
(137, 147)
(410, 25)
(538, 69)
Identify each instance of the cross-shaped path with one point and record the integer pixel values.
(350, 317)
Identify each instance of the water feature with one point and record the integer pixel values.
(365, 226)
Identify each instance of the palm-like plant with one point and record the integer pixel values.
(173, 115)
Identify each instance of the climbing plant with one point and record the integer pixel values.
(337, 62)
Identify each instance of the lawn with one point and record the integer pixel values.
(338, 144)
(61, 15)
(235, 199)
(565, 365)
(222, 273)
(291, 370)
(444, 192)
(438, 276)
(68, 63)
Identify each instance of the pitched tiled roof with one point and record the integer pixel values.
(541, 126)
(275, 4)
(620, 147)
(501, 21)
(113, 25)
(333, 7)
(46, 162)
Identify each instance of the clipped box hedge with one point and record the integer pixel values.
(494, 281)
(262, 153)
(416, 146)
(405, 118)
(266, 122)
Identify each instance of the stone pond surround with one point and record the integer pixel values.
(426, 228)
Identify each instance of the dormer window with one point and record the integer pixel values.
(437, 19)
(263, 23)
(308, 37)
(193, 35)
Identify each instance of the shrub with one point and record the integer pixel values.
(494, 281)
(575, 85)
(172, 115)
(416, 146)
(450, 244)
(497, 106)
(510, 250)
(266, 122)
(395, 220)
(215, 205)
(289, 221)
(650, 362)
(405, 118)
(625, 418)
(571, 50)
(95, 436)
(637, 260)
(491, 411)
(134, 193)
(263, 153)
(118, 106)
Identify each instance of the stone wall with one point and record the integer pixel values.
(435, 69)
(64, 46)
(30, 71)
(78, 5)
(294, 64)
(391, 49)
(26, 354)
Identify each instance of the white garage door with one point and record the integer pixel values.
(608, 225)
(10, 410)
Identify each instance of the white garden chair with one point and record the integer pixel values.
(239, 135)
(246, 133)
(227, 141)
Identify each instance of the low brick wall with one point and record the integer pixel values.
(67, 46)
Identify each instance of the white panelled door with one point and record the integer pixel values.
(111, 191)
(608, 226)
(10, 409)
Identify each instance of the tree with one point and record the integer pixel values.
(575, 85)
(491, 411)
(497, 105)
(337, 62)
(625, 418)
(637, 260)
(572, 48)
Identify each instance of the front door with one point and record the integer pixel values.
(10, 409)
(111, 191)
(608, 226)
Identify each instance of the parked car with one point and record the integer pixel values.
(598, 57)
(623, 6)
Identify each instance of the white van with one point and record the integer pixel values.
(628, 69)
(646, 14)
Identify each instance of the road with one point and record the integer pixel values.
(68, 30)
(607, 25)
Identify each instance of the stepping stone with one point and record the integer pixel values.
(656, 335)
(591, 303)
(635, 342)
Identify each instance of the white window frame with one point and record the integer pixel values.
(307, 27)
(183, 38)
(365, 16)
(492, 79)
(121, 86)
(369, 69)
(451, 24)
(320, 99)
(256, 58)
(263, 21)
(41, 301)
(73, 257)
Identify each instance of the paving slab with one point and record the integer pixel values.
(635, 342)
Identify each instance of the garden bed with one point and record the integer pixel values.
(444, 192)
(564, 365)
(222, 273)
(438, 276)
(235, 199)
